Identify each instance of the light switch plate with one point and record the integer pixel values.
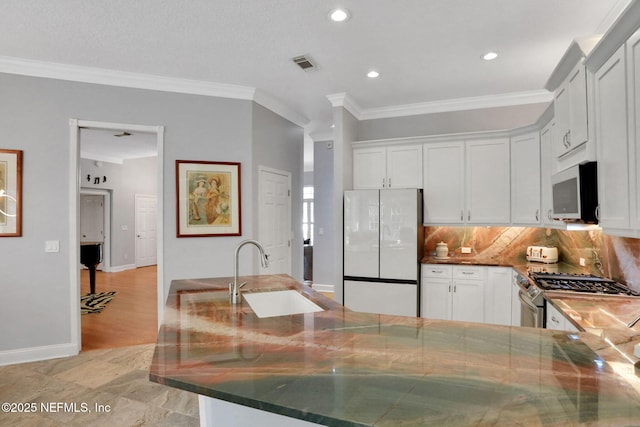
(465, 250)
(52, 246)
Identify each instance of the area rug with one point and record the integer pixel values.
(95, 303)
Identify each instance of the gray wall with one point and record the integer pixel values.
(34, 117)
(486, 119)
(135, 176)
(323, 244)
(278, 144)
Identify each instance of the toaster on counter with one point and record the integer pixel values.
(542, 254)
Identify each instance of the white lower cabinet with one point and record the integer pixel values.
(498, 296)
(470, 293)
(453, 292)
(557, 321)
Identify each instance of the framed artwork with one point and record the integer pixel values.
(10, 193)
(208, 198)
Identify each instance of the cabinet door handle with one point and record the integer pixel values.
(467, 272)
(461, 215)
(537, 215)
(598, 212)
(449, 288)
(389, 182)
(469, 215)
(383, 182)
(454, 288)
(569, 137)
(549, 215)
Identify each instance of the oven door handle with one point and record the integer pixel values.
(527, 301)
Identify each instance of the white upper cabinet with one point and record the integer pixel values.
(369, 168)
(614, 156)
(394, 166)
(633, 71)
(467, 182)
(615, 66)
(487, 182)
(444, 183)
(572, 88)
(571, 111)
(525, 179)
(547, 168)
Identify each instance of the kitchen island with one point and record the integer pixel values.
(342, 368)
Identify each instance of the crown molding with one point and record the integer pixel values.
(460, 104)
(624, 27)
(76, 73)
(271, 103)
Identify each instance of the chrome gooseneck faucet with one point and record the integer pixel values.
(234, 289)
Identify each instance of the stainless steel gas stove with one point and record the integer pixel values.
(583, 283)
(534, 305)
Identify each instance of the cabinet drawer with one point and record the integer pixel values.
(471, 272)
(437, 270)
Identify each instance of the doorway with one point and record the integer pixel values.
(75, 216)
(275, 218)
(95, 222)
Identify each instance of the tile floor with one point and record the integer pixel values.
(108, 388)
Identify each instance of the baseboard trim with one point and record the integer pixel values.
(118, 268)
(34, 354)
(322, 288)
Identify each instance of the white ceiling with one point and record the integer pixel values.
(426, 51)
(116, 146)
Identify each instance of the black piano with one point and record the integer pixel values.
(90, 257)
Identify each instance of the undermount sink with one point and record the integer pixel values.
(279, 303)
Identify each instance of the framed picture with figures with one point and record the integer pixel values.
(208, 198)
(10, 193)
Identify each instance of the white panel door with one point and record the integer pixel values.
(398, 234)
(361, 233)
(443, 183)
(146, 230)
(275, 220)
(91, 218)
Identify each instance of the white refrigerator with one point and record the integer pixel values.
(383, 245)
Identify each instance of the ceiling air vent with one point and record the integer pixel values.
(304, 62)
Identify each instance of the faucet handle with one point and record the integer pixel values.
(241, 284)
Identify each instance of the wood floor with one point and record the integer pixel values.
(131, 318)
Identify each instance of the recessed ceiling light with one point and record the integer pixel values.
(339, 15)
(489, 56)
(373, 74)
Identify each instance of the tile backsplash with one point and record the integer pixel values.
(614, 257)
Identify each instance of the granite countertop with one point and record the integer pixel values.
(343, 368)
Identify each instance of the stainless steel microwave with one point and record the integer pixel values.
(575, 193)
